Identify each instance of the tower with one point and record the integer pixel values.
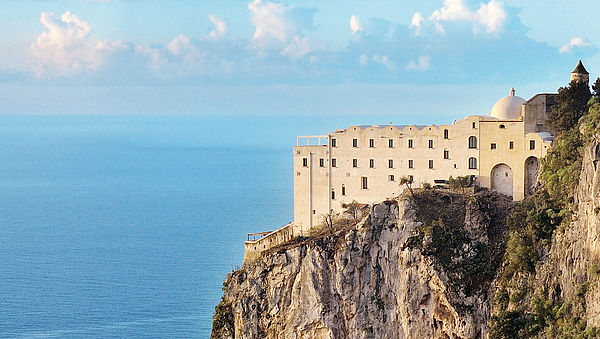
(580, 74)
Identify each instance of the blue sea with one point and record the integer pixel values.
(125, 226)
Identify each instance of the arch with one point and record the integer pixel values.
(502, 179)
(532, 170)
(472, 141)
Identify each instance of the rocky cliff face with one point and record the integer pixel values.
(571, 272)
(413, 268)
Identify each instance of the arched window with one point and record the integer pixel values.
(472, 163)
(472, 141)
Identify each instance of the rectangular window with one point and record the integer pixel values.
(371, 163)
(511, 145)
(343, 190)
(364, 183)
(321, 162)
(473, 124)
(333, 143)
(391, 163)
(493, 145)
(333, 163)
(332, 195)
(531, 144)
(410, 143)
(445, 134)
(304, 162)
(354, 142)
(391, 143)
(410, 164)
(354, 162)
(391, 177)
(371, 142)
(430, 143)
(411, 178)
(431, 164)
(446, 154)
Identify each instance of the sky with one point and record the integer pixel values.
(429, 60)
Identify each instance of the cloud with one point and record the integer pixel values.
(490, 16)
(65, 48)
(573, 43)
(423, 63)
(220, 27)
(282, 28)
(355, 24)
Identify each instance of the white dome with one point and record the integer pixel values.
(509, 107)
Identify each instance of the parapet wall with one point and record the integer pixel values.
(254, 248)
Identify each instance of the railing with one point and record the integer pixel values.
(267, 240)
(321, 140)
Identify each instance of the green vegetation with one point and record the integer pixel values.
(519, 310)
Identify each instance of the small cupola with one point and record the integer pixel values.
(580, 73)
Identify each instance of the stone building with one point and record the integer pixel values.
(501, 150)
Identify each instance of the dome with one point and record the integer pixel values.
(509, 107)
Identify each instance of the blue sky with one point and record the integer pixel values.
(433, 60)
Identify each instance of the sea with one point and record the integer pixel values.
(125, 226)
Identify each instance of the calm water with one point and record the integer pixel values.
(126, 226)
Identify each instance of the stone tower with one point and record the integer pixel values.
(580, 74)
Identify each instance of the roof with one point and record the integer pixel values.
(580, 69)
(397, 126)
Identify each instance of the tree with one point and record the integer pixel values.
(354, 210)
(329, 220)
(571, 104)
(596, 87)
(461, 182)
(408, 182)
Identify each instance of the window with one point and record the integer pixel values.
(446, 154)
(333, 143)
(391, 143)
(493, 145)
(410, 143)
(430, 143)
(411, 179)
(354, 142)
(333, 163)
(473, 124)
(371, 163)
(297, 173)
(431, 164)
(410, 164)
(391, 163)
(354, 162)
(364, 183)
(304, 162)
(502, 126)
(391, 177)
(454, 165)
(531, 144)
(472, 163)
(332, 194)
(472, 141)
(445, 134)
(343, 190)
(321, 162)
(371, 142)
(511, 145)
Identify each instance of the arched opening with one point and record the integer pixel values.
(472, 163)
(532, 170)
(502, 179)
(472, 141)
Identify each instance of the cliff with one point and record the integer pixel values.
(413, 268)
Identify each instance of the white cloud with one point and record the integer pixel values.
(66, 48)
(270, 22)
(180, 45)
(490, 16)
(385, 61)
(574, 42)
(363, 59)
(355, 24)
(220, 27)
(423, 63)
